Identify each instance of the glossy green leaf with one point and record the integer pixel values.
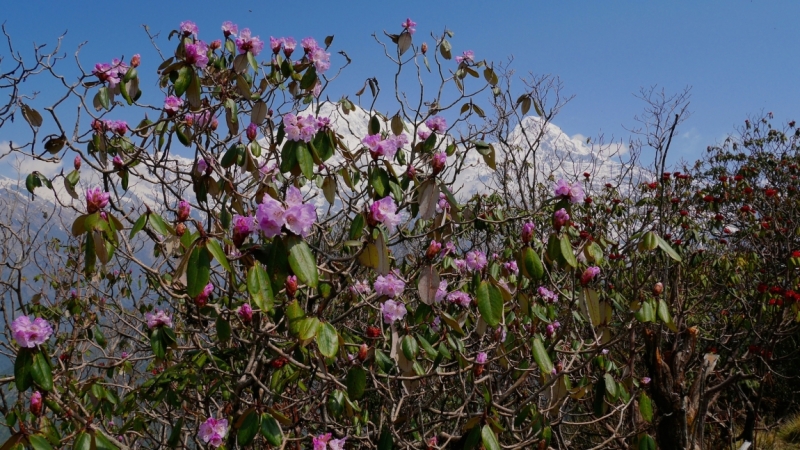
(665, 316)
(302, 261)
(611, 386)
(668, 249)
(216, 251)
(138, 226)
(260, 288)
(271, 429)
(490, 303)
(409, 346)
(379, 180)
(566, 252)
(327, 340)
(185, 75)
(541, 357)
(223, 329)
(249, 428)
(489, 439)
(646, 407)
(198, 271)
(175, 435)
(646, 442)
(356, 382)
(648, 242)
(386, 442)
(157, 343)
(22, 369)
(41, 372)
(39, 442)
(532, 264)
(83, 441)
(307, 328)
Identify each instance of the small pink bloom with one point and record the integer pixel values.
(437, 124)
(438, 162)
(527, 232)
(245, 312)
(247, 43)
(289, 44)
(476, 260)
(36, 403)
(197, 54)
(96, 199)
(172, 105)
(409, 25)
(460, 298)
(188, 27)
(158, 318)
(467, 57)
(393, 311)
(229, 28)
(589, 274)
(213, 431)
(389, 285)
(30, 333)
(481, 358)
(136, 60)
(184, 209)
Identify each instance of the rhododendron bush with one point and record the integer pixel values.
(243, 270)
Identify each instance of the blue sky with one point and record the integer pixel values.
(739, 57)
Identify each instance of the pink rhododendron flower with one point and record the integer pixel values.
(172, 105)
(360, 287)
(247, 43)
(574, 192)
(547, 294)
(197, 54)
(158, 318)
(298, 218)
(202, 298)
(441, 291)
(302, 128)
(481, 358)
(119, 127)
(511, 266)
(117, 162)
(460, 298)
(252, 132)
(389, 285)
(36, 403)
(30, 333)
(423, 134)
(136, 60)
(275, 44)
(476, 260)
(309, 44)
(213, 431)
(384, 211)
(409, 25)
(589, 274)
(468, 56)
(337, 444)
(437, 124)
(184, 209)
(438, 162)
(393, 311)
(321, 60)
(460, 265)
(560, 218)
(289, 44)
(229, 28)
(188, 27)
(527, 232)
(96, 199)
(245, 312)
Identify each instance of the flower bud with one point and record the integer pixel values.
(658, 288)
(215, 44)
(362, 352)
(373, 332)
(180, 229)
(527, 232)
(184, 209)
(424, 48)
(560, 218)
(136, 60)
(117, 162)
(36, 403)
(433, 249)
(589, 274)
(291, 285)
(245, 313)
(438, 162)
(411, 171)
(252, 132)
(77, 162)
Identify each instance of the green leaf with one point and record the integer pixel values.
(103, 443)
(327, 340)
(99, 336)
(379, 180)
(138, 226)
(645, 313)
(374, 125)
(271, 429)
(357, 227)
(541, 357)
(309, 78)
(305, 160)
(646, 442)
(223, 329)
(427, 347)
(599, 404)
(260, 288)
(665, 316)
(385, 442)
(102, 98)
(288, 156)
(566, 252)
(489, 439)
(648, 242)
(22, 369)
(532, 264)
(409, 346)
(175, 435)
(593, 306)
(41, 372)
(668, 249)
(185, 75)
(83, 441)
(32, 182)
(157, 343)
(39, 442)
(356, 382)
(611, 386)
(159, 225)
(490, 303)
(307, 328)
(646, 407)
(249, 429)
(302, 261)
(216, 251)
(198, 272)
